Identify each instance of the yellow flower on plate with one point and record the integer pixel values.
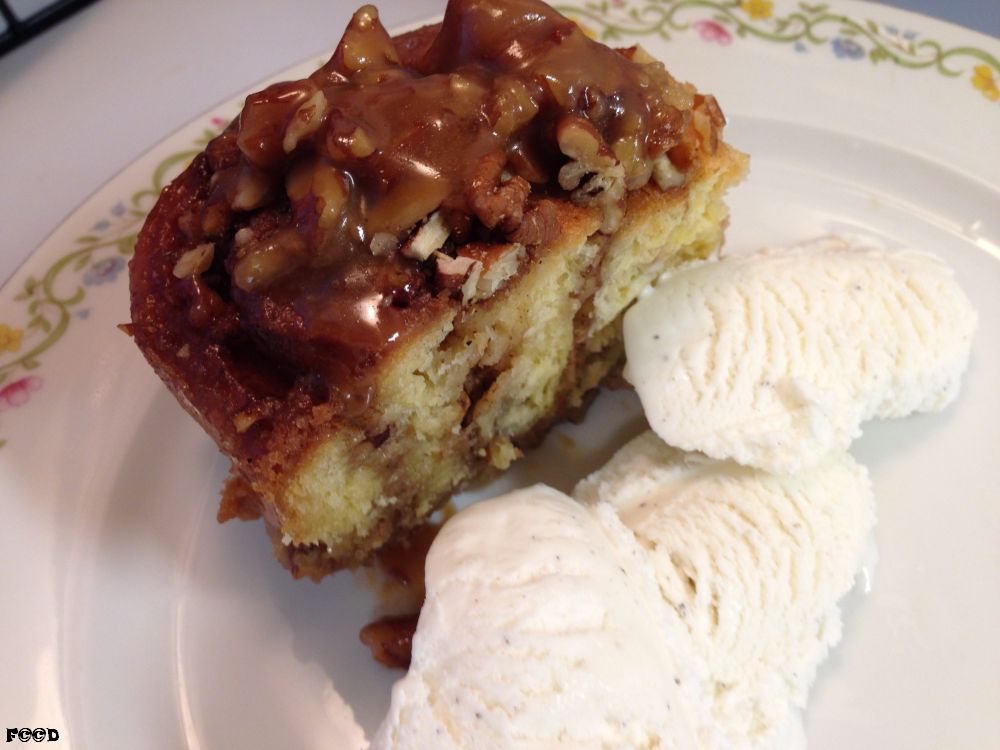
(757, 9)
(982, 79)
(10, 338)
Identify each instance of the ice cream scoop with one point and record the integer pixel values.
(753, 564)
(682, 603)
(775, 358)
(543, 628)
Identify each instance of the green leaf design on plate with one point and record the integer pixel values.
(807, 23)
(50, 299)
(30, 284)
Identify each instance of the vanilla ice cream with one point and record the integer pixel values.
(775, 358)
(683, 603)
(754, 565)
(543, 628)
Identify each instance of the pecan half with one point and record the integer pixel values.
(540, 224)
(195, 261)
(497, 203)
(593, 174)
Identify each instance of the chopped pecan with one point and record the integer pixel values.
(666, 174)
(499, 265)
(458, 266)
(497, 203)
(707, 120)
(215, 218)
(253, 188)
(514, 104)
(606, 190)
(264, 260)
(595, 103)
(306, 121)
(593, 174)
(222, 151)
(365, 44)
(492, 265)
(383, 243)
(460, 273)
(243, 236)
(391, 639)
(430, 236)
(195, 261)
(582, 143)
(711, 107)
(631, 152)
(540, 224)
(361, 145)
(667, 132)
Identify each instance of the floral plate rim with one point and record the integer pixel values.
(51, 297)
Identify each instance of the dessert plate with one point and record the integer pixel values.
(133, 620)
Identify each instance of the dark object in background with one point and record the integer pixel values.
(20, 28)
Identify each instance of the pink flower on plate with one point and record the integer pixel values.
(711, 31)
(17, 393)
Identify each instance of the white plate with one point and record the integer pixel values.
(131, 619)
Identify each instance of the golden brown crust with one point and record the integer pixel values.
(295, 432)
(338, 453)
(593, 361)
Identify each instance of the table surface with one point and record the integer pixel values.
(86, 98)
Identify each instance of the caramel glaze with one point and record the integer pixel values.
(391, 640)
(402, 561)
(370, 145)
(273, 275)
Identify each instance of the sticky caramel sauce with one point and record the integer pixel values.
(400, 566)
(373, 143)
(391, 640)
(311, 200)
